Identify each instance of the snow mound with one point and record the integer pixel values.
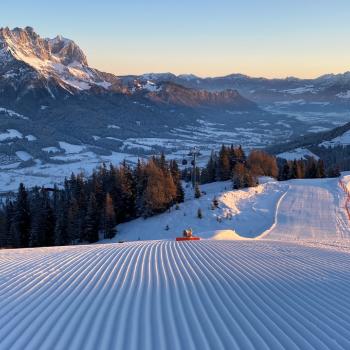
(10, 134)
(221, 235)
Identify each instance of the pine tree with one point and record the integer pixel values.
(320, 170)
(109, 218)
(211, 167)
(61, 234)
(295, 171)
(9, 212)
(224, 166)
(92, 220)
(285, 172)
(176, 175)
(22, 217)
(140, 187)
(238, 176)
(3, 233)
(73, 227)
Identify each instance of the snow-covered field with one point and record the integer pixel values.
(280, 281)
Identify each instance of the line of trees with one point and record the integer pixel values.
(304, 169)
(86, 208)
(231, 163)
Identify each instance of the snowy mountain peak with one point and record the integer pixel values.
(26, 45)
(25, 56)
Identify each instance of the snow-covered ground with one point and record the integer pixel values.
(248, 212)
(285, 287)
(169, 295)
(297, 153)
(308, 210)
(49, 174)
(342, 140)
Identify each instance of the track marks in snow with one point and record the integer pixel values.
(168, 295)
(310, 210)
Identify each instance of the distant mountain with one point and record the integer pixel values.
(326, 92)
(178, 95)
(31, 65)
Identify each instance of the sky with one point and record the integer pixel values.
(270, 38)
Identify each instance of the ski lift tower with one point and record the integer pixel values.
(194, 153)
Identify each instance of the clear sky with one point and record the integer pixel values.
(272, 38)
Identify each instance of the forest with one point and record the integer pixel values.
(86, 207)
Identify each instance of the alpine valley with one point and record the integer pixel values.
(58, 114)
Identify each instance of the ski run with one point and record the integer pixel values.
(272, 271)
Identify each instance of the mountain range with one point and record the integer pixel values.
(56, 109)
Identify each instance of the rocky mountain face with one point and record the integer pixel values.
(173, 94)
(33, 67)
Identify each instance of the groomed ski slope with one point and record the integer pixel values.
(311, 210)
(168, 295)
(285, 285)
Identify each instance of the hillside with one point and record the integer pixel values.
(331, 146)
(312, 140)
(310, 209)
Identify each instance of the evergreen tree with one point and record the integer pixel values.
(211, 168)
(320, 169)
(286, 172)
(22, 217)
(238, 179)
(176, 175)
(92, 221)
(224, 164)
(109, 218)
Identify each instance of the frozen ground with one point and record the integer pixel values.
(285, 287)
